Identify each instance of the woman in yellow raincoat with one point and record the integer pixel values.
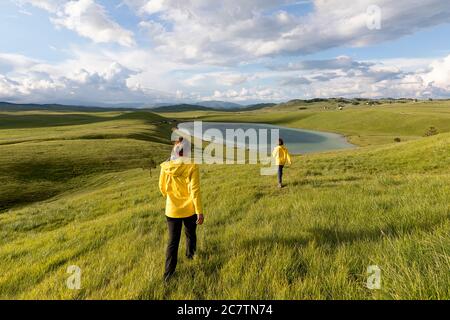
(179, 183)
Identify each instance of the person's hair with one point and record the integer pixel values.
(179, 140)
(280, 142)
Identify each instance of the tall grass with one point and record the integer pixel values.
(340, 212)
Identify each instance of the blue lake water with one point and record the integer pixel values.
(298, 141)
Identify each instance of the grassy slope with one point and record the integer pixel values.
(362, 124)
(342, 212)
(42, 126)
(39, 161)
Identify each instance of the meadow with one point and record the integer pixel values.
(80, 188)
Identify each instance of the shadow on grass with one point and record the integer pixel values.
(39, 180)
(47, 120)
(334, 238)
(330, 240)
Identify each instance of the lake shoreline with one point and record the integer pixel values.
(299, 141)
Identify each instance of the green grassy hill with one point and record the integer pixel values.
(13, 107)
(44, 154)
(77, 190)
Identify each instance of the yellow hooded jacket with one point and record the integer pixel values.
(179, 182)
(282, 156)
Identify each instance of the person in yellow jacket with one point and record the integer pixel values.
(282, 158)
(179, 183)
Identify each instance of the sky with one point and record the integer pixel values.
(147, 52)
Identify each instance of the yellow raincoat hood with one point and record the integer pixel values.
(175, 168)
(179, 182)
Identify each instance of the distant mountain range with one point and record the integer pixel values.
(219, 105)
(181, 107)
(164, 107)
(178, 107)
(207, 104)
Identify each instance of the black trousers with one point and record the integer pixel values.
(280, 174)
(175, 225)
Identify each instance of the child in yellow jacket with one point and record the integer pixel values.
(282, 158)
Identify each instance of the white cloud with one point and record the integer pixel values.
(342, 62)
(217, 78)
(8, 88)
(391, 78)
(248, 94)
(49, 5)
(153, 28)
(87, 77)
(11, 61)
(234, 31)
(439, 75)
(154, 6)
(87, 18)
(204, 49)
(140, 76)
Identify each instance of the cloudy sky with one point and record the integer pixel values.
(245, 51)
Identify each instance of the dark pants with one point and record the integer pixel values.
(280, 174)
(175, 226)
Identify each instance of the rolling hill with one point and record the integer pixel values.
(83, 192)
(164, 107)
(13, 107)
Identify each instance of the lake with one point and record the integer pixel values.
(298, 141)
